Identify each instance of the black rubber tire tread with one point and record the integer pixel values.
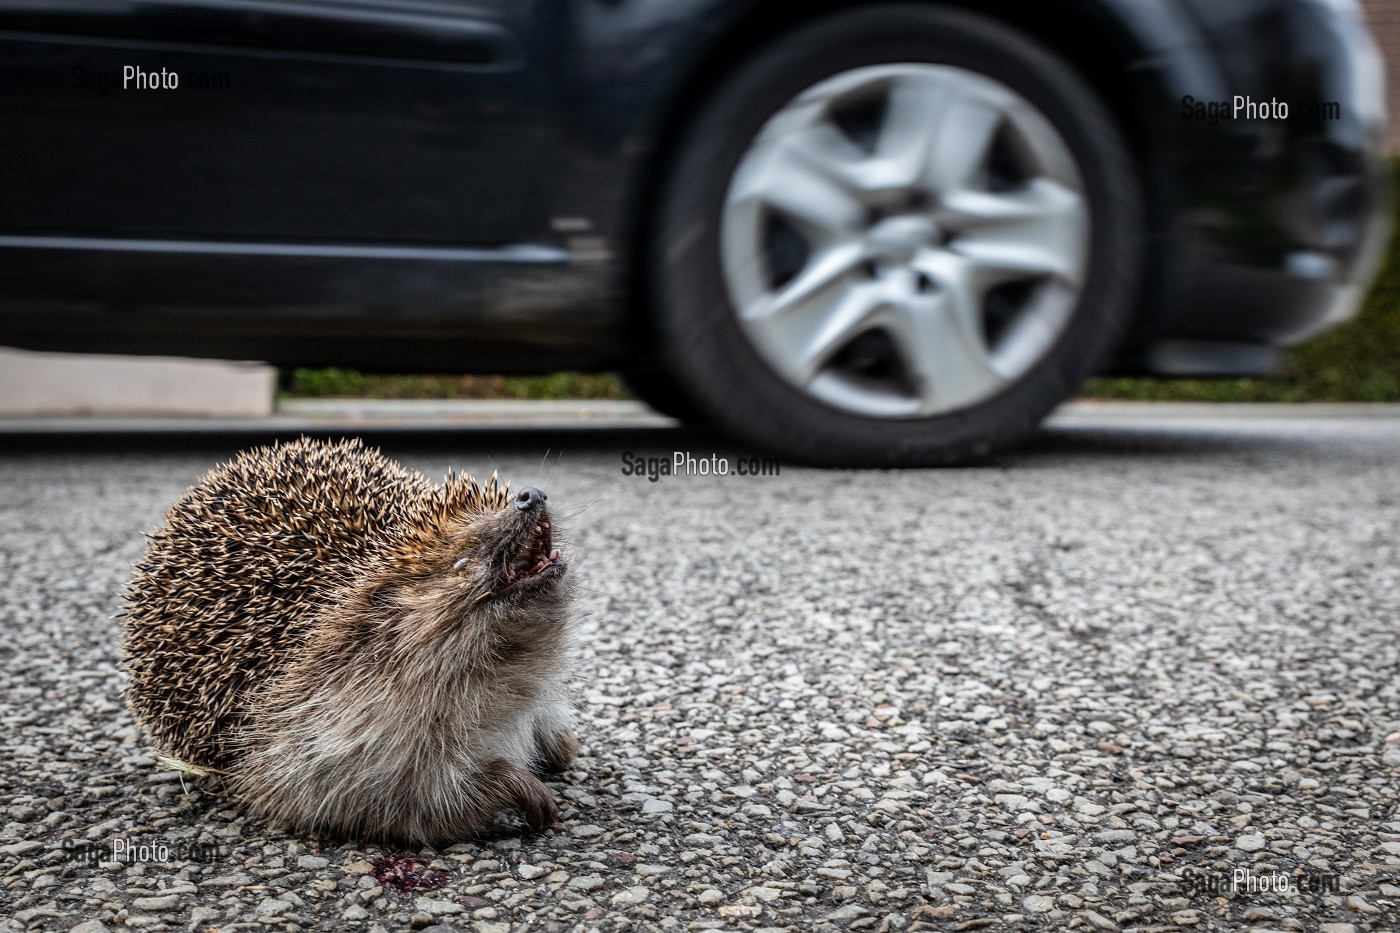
(661, 393)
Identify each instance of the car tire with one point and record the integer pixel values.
(865, 408)
(661, 393)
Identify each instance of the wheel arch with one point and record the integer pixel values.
(1100, 39)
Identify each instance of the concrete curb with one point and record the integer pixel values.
(63, 385)
(1226, 410)
(352, 415)
(319, 416)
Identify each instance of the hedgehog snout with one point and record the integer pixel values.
(529, 499)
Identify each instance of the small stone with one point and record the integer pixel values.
(355, 912)
(90, 926)
(235, 880)
(162, 902)
(439, 906)
(734, 911)
(313, 862)
(1038, 903)
(1358, 903)
(1098, 921)
(586, 882)
(711, 897)
(930, 912)
(1250, 843)
(1116, 837)
(1337, 928)
(629, 896)
(654, 807)
(531, 872)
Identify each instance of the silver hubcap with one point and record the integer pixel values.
(905, 240)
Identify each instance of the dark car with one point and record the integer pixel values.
(850, 232)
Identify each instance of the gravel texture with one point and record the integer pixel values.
(1046, 692)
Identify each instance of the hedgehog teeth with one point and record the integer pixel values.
(535, 555)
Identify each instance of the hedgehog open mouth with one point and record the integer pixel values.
(534, 562)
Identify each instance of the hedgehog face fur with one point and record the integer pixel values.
(362, 652)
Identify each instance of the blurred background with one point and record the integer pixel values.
(1357, 362)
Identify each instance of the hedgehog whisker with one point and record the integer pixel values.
(573, 510)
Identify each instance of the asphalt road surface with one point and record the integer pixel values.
(1088, 686)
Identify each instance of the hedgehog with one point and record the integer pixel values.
(356, 650)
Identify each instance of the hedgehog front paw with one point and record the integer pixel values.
(554, 751)
(511, 787)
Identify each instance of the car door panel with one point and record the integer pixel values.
(306, 121)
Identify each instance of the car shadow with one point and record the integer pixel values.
(1051, 445)
(1146, 441)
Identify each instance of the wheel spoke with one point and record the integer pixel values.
(937, 132)
(1037, 231)
(825, 271)
(941, 341)
(914, 108)
(966, 128)
(804, 184)
(808, 330)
